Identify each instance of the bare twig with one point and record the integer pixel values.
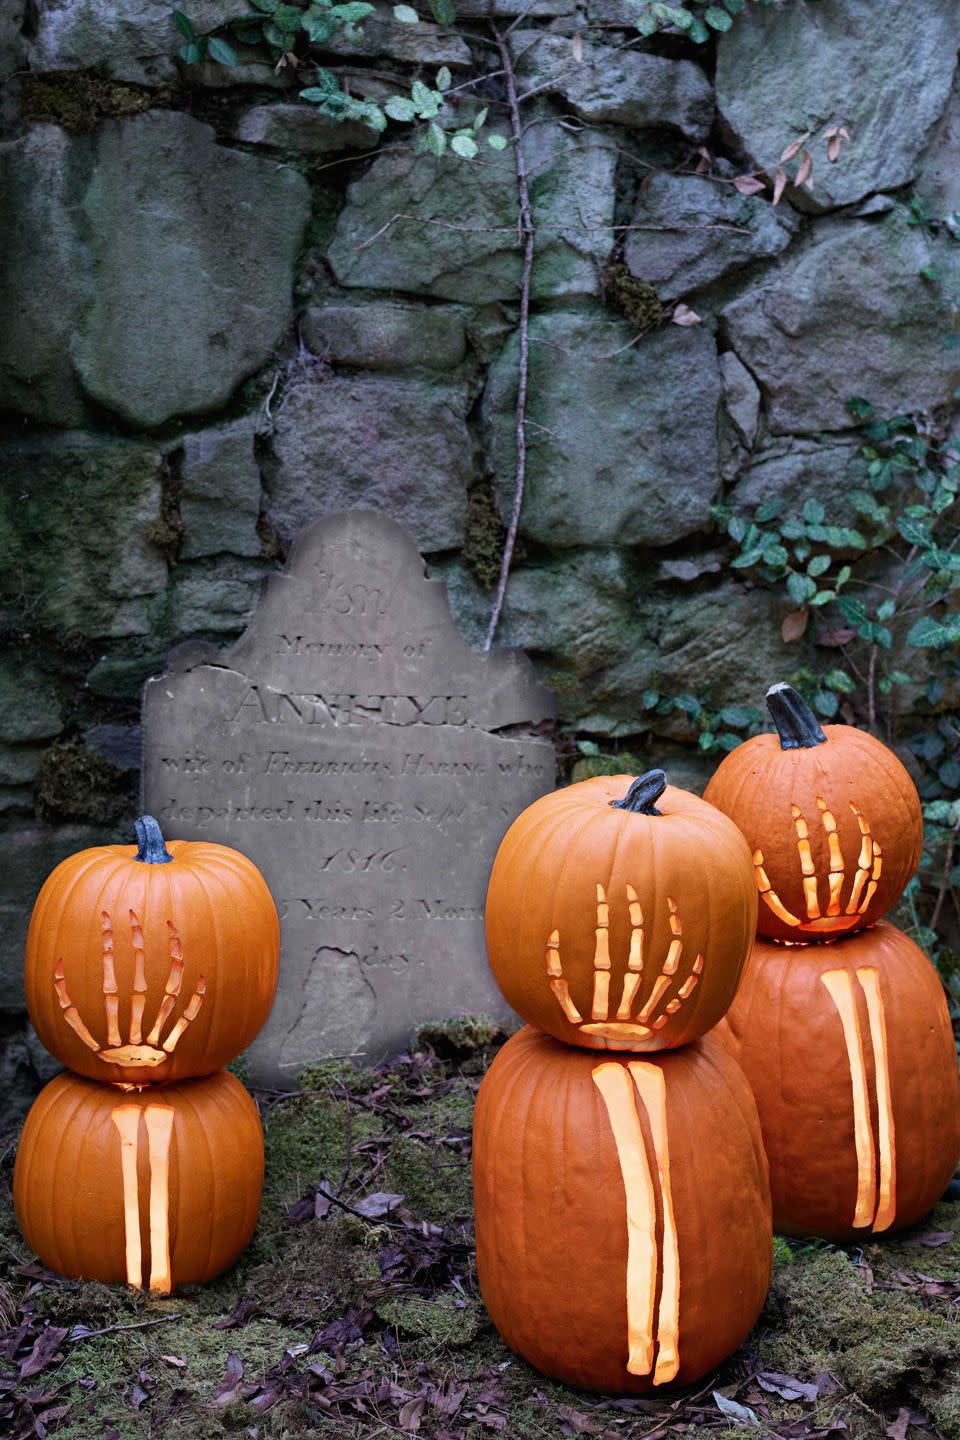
(526, 235)
(113, 1329)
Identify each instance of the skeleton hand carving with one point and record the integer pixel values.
(869, 866)
(625, 1027)
(153, 1051)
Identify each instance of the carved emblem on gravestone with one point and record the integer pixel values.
(369, 762)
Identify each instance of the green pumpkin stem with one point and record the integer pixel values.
(642, 797)
(796, 723)
(151, 846)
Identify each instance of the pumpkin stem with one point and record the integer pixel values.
(151, 846)
(642, 797)
(796, 723)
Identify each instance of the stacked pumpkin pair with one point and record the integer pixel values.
(840, 1021)
(624, 1233)
(148, 969)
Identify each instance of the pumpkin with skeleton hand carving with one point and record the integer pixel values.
(619, 914)
(148, 968)
(620, 1184)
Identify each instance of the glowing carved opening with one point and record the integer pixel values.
(643, 1261)
(159, 1124)
(876, 1196)
(622, 1030)
(869, 868)
(652, 1090)
(614, 1085)
(155, 1051)
(886, 1192)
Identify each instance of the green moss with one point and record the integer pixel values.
(457, 1040)
(436, 1186)
(484, 537)
(308, 1137)
(635, 299)
(883, 1344)
(79, 99)
(76, 783)
(444, 1322)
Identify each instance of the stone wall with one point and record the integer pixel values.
(224, 314)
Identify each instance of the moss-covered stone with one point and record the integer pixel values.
(76, 783)
(79, 100)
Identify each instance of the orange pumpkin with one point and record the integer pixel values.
(619, 914)
(850, 1054)
(831, 817)
(157, 1187)
(146, 964)
(622, 1208)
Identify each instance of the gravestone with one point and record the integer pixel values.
(369, 762)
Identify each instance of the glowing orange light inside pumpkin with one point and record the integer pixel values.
(158, 1120)
(876, 1191)
(155, 1051)
(622, 1030)
(644, 1331)
(869, 869)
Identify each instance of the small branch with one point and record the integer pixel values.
(113, 1329)
(523, 363)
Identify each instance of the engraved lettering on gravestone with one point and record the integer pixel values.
(369, 762)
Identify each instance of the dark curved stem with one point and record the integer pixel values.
(797, 726)
(642, 797)
(151, 846)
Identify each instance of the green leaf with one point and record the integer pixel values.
(588, 747)
(823, 597)
(887, 609)
(800, 588)
(647, 25)
(649, 698)
(840, 681)
(707, 740)
(480, 119)
(326, 83)
(421, 94)
(319, 25)
(464, 145)
(913, 531)
(406, 15)
(192, 54)
(853, 611)
(826, 703)
(768, 510)
(436, 140)
(220, 51)
(775, 556)
(399, 108)
(444, 11)
(288, 18)
(736, 528)
(698, 32)
(353, 12)
(184, 25)
(717, 19)
(444, 79)
(737, 717)
(859, 408)
(819, 565)
(927, 633)
(900, 677)
(266, 7)
(734, 6)
(497, 142)
(814, 513)
(689, 704)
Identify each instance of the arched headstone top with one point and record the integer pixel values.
(356, 748)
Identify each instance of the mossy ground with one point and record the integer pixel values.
(360, 1324)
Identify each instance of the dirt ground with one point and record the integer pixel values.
(358, 1315)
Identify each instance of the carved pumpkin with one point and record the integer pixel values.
(147, 964)
(156, 1187)
(832, 819)
(619, 914)
(623, 1212)
(850, 1054)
